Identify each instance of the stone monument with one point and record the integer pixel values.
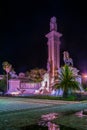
(68, 61)
(53, 63)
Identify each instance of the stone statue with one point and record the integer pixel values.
(53, 24)
(67, 59)
(48, 66)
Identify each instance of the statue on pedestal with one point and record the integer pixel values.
(67, 59)
(48, 66)
(53, 24)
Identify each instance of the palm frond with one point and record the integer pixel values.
(67, 79)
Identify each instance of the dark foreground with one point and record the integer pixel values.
(21, 112)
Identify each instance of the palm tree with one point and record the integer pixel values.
(67, 80)
(7, 67)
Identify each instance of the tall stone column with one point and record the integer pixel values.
(53, 43)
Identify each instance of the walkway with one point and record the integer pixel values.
(11, 104)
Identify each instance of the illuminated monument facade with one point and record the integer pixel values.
(16, 86)
(53, 63)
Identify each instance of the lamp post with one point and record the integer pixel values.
(84, 80)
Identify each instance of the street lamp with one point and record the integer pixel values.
(84, 80)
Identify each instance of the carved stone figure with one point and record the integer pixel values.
(48, 66)
(53, 24)
(67, 59)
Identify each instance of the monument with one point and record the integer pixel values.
(50, 78)
(67, 59)
(53, 63)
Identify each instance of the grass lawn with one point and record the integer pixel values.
(18, 112)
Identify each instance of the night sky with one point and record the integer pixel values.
(24, 24)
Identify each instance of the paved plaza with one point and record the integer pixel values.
(18, 112)
(11, 104)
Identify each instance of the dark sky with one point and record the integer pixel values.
(24, 24)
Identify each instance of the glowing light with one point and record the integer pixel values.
(84, 75)
(15, 93)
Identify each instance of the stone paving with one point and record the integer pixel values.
(11, 104)
(31, 110)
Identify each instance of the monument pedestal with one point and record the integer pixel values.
(53, 63)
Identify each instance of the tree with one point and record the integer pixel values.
(3, 84)
(67, 80)
(36, 74)
(7, 67)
